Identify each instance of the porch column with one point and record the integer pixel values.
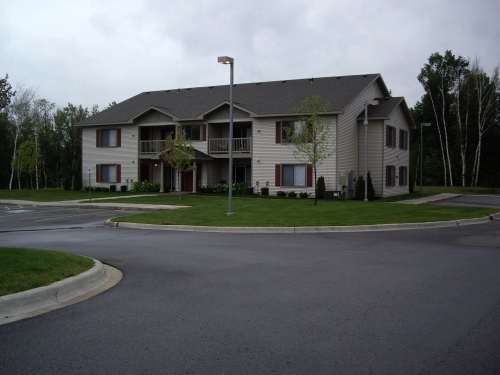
(162, 187)
(195, 183)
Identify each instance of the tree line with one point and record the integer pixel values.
(42, 146)
(462, 105)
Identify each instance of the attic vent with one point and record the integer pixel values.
(188, 89)
(364, 75)
(283, 81)
(210, 87)
(178, 90)
(339, 77)
(147, 92)
(167, 90)
(311, 80)
(257, 83)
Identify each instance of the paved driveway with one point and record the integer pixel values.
(473, 201)
(404, 302)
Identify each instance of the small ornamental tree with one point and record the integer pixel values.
(179, 154)
(26, 160)
(313, 140)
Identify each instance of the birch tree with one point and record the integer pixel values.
(18, 114)
(313, 141)
(438, 77)
(486, 90)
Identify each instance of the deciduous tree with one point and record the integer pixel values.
(313, 142)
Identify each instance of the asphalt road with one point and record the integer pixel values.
(404, 302)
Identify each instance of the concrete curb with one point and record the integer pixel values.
(59, 294)
(325, 229)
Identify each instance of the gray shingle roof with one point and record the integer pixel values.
(385, 107)
(265, 98)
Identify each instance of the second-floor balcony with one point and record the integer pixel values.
(216, 146)
(221, 145)
(152, 147)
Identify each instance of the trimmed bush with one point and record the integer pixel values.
(320, 187)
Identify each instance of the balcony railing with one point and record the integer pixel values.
(152, 147)
(216, 146)
(221, 145)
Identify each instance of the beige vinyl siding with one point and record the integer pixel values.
(126, 155)
(395, 156)
(348, 141)
(267, 153)
(222, 114)
(376, 143)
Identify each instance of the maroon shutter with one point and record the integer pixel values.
(118, 137)
(97, 137)
(309, 171)
(278, 133)
(204, 132)
(97, 173)
(277, 175)
(118, 173)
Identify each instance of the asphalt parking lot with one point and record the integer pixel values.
(26, 217)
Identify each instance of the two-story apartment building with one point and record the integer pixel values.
(122, 144)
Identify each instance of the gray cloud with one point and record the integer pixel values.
(88, 52)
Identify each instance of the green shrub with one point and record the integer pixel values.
(359, 193)
(320, 187)
(371, 190)
(304, 194)
(145, 187)
(281, 193)
(292, 194)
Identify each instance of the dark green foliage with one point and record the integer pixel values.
(239, 188)
(292, 194)
(359, 193)
(304, 194)
(320, 187)
(145, 187)
(371, 190)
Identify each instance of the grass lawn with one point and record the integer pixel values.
(269, 211)
(22, 269)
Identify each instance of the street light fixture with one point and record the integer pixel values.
(230, 61)
(367, 103)
(422, 150)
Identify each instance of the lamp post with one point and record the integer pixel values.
(230, 61)
(422, 150)
(367, 103)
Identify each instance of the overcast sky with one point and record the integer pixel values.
(95, 52)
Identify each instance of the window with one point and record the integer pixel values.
(293, 175)
(403, 139)
(299, 175)
(289, 129)
(193, 132)
(108, 138)
(403, 176)
(108, 173)
(390, 175)
(390, 136)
